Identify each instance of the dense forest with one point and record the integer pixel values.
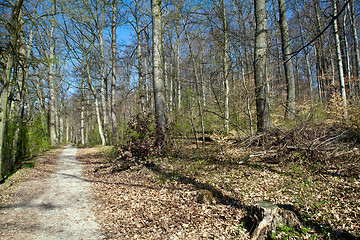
(66, 77)
(151, 76)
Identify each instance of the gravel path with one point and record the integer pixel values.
(61, 211)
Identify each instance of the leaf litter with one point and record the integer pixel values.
(137, 204)
(318, 176)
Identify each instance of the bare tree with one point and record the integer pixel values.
(261, 91)
(356, 40)
(114, 124)
(286, 50)
(104, 79)
(51, 57)
(339, 61)
(11, 57)
(226, 67)
(157, 71)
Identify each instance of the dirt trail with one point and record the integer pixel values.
(55, 208)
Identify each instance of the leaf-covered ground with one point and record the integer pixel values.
(17, 217)
(39, 167)
(314, 170)
(141, 204)
(159, 198)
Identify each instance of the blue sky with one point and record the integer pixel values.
(123, 34)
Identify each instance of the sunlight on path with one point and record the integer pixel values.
(64, 210)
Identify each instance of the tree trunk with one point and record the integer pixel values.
(3, 108)
(193, 125)
(308, 68)
(157, 71)
(82, 114)
(20, 78)
(289, 73)
(340, 63)
(348, 64)
(226, 69)
(318, 77)
(140, 59)
(197, 89)
(248, 106)
(307, 61)
(61, 127)
(319, 53)
(178, 77)
(171, 91)
(52, 104)
(104, 84)
(356, 41)
(97, 107)
(67, 131)
(262, 104)
(114, 124)
(5, 83)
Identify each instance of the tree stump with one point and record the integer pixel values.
(206, 197)
(264, 218)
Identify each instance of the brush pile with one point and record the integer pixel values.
(326, 149)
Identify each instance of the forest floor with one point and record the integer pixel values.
(158, 198)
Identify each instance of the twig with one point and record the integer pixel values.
(328, 141)
(293, 54)
(258, 154)
(245, 159)
(251, 139)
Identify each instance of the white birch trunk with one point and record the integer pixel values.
(97, 107)
(103, 85)
(348, 64)
(340, 63)
(82, 114)
(93, 90)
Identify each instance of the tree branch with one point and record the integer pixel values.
(293, 54)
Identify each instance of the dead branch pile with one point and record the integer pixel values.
(140, 145)
(334, 149)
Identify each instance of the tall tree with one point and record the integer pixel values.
(339, 60)
(226, 66)
(82, 108)
(104, 79)
(51, 59)
(356, 40)
(11, 57)
(286, 50)
(114, 124)
(157, 71)
(261, 91)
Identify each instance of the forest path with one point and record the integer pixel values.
(58, 207)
